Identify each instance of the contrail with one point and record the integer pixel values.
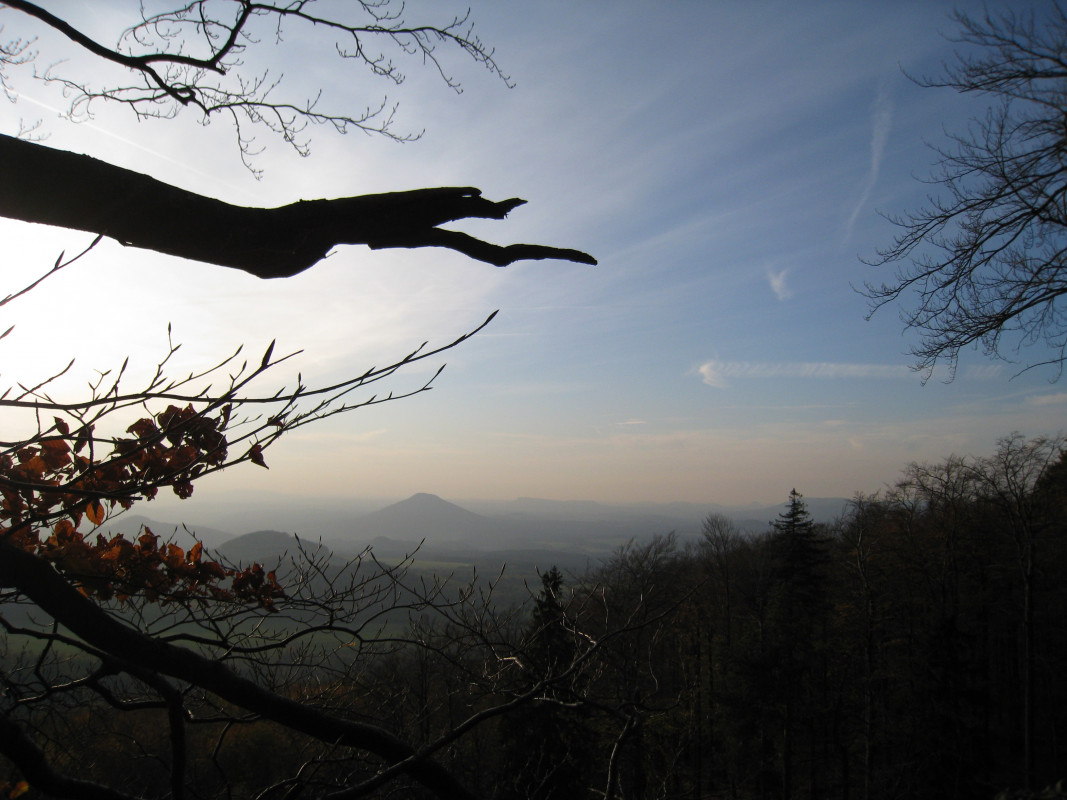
(881, 120)
(185, 165)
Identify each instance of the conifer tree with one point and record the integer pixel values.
(546, 751)
(801, 552)
(799, 620)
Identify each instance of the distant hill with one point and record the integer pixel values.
(265, 546)
(422, 515)
(823, 509)
(530, 529)
(590, 510)
(579, 528)
(587, 530)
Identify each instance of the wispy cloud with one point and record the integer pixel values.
(778, 284)
(1057, 398)
(186, 164)
(720, 373)
(881, 121)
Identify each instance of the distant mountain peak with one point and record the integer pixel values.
(425, 503)
(266, 545)
(422, 515)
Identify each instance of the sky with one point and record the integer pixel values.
(727, 163)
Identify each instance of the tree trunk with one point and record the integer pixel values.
(54, 187)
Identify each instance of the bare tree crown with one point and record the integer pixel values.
(982, 264)
(193, 58)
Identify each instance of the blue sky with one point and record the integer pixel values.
(726, 162)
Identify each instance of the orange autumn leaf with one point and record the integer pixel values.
(55, 453)
(85, 433)
(64, 528)
(94, 510)
(143, 429)
(34, 466)
(175, 556)
(66, 476)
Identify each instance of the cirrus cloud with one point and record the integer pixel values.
(778, 284)
(720, 373)
(1054, 399)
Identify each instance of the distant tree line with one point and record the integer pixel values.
(914, 648)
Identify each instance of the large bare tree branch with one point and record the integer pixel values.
(34, 764)
(55, 187)
(39, 582)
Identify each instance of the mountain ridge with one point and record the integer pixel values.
(583, 526)
(439, 527)
(420, 515)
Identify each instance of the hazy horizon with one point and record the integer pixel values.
(483, 524)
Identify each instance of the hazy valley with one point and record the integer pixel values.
(522, 533)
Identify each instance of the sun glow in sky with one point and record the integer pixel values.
(725, 162)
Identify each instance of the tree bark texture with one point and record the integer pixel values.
(55, 187)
